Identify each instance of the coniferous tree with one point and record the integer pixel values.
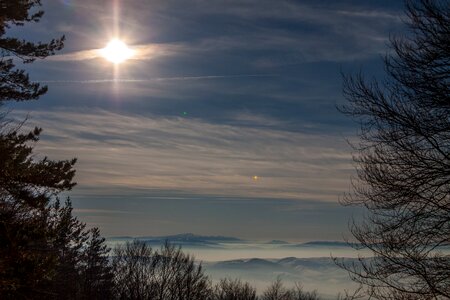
(45, 252)
(67, 239)
(96, 272)
(27, 259)
(14, 83)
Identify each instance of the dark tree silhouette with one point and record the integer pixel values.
(228, 289)
(66, 238)
(28, 180)
(43, 247)
(165, 274)
(404, 162)
(45, 252)
(276, 291)
(26, 188)
(15, 84)
(25, 185)
(96, 272)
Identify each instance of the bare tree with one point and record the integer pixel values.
(167, 274)
(357, 294)
(277, 291)
(404, 162)
(228, 289)
(133, 271)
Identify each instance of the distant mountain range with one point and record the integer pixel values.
(312, 273)
(288, 264)
(185, 239)
(190, 239)
(328, 244)
(277, 242)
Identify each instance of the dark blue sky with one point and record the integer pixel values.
(218, 92)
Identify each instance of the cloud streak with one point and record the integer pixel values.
(179, 78)
(141, 52)
(194, 156)
(341, 32)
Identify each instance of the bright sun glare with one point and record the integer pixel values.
(117, 51)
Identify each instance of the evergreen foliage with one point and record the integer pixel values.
(45, 252)
(14, 83)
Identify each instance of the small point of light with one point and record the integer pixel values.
(255, 178)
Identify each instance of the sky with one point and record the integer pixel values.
(218, 92)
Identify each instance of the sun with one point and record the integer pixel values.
(116, 51)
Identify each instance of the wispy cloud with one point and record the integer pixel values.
(335, 32)
(194, 156)
(377, 14)
(141, 52)
(132, 80)
(89, 211)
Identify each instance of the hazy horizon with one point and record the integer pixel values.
(261, 263)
